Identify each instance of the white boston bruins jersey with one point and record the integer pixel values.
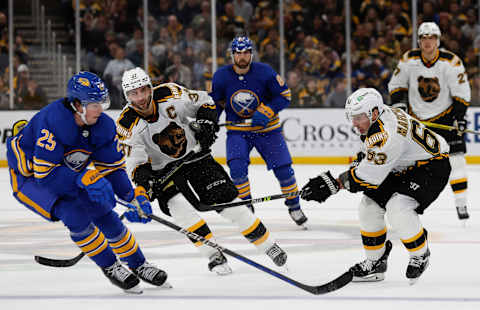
(166, 136)
(430, 86)
(395, 142)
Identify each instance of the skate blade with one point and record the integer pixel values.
(412, 281)
(222, 270)
(165, 285)
(375, 277)
(303, 226)
(137, 290)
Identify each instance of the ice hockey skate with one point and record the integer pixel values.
(219, 264)
(462, 213)
(372, 270)
(152, 275)
(124, 279)
(298, 216)
(416, 266)
(278, 256)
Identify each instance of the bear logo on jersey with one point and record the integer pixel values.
(171, 140)
(76, 160)
(429, 88)
(244, 102)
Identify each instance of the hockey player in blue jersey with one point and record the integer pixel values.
(252, 94)
(48, 159)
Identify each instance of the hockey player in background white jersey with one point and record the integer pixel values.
(404, 168)
(156, 131)
(432, 85)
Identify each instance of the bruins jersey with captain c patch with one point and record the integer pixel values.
(430, 88)
(165, 136)
(395, 142)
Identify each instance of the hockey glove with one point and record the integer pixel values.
(139, 207)
(262, 116)
(99, 190)
(143, 176)
(205, 132)
(461, 126)
(320, 188)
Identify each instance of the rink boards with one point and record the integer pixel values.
(314, 136)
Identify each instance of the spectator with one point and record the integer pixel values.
(337, 98)
(29, 95)
(243, 9)
(184, 74)
(113, 75)
(294, 83)
(311, 96)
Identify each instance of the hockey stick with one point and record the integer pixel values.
(328, 287)
(228, 123)
(447, 127)
(204, 207)
(52, 262)
(162, 180)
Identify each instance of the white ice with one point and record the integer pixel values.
(328, 248)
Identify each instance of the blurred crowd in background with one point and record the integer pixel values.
(179, 38)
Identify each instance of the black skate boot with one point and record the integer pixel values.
(462, 213)
(124, 279)
(278, 256)
(151, 274)
(298, 216)
(372, 270)
(218, 264)
(416, 266)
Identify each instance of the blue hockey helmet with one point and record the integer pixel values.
(240, 44)
(87, 88)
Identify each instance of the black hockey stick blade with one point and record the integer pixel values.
(59, 262)
(220, 206)
(331, 286)
(69, 262)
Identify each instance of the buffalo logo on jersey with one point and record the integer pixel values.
(171, 140)
(244, 102)
(76, 160)
(429, 88)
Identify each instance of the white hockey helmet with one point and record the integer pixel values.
(429, 29)
(364, 100)
(133, 79)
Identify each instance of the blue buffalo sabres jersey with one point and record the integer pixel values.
(54, 150)
(240, 95)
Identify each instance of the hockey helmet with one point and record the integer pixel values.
(364, 100)
(241, 44)
(87, 88)
(429, 29)
(133, 79)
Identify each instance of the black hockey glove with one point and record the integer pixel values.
(320, 188)
(143, 176)
(356, 162)
(205, 132)
(461, 126)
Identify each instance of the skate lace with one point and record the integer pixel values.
(367, 264)
(147, 271)
(274, 251)
(297, 214)
(117, 271)
(416, 261)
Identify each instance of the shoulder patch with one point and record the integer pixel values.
(414, 53)
(125, 123)
(166, 91)
(376, 136)
(446, 55)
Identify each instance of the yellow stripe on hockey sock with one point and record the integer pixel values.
(251, 228)
(88, 238)
(99, 250)
(196, 226)
(375, 233)
(462, 180)
(262, 239)
(122, 241)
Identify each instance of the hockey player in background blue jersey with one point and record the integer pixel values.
(252, 94)
(48, 160)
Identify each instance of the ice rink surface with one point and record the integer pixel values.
(328, 248)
